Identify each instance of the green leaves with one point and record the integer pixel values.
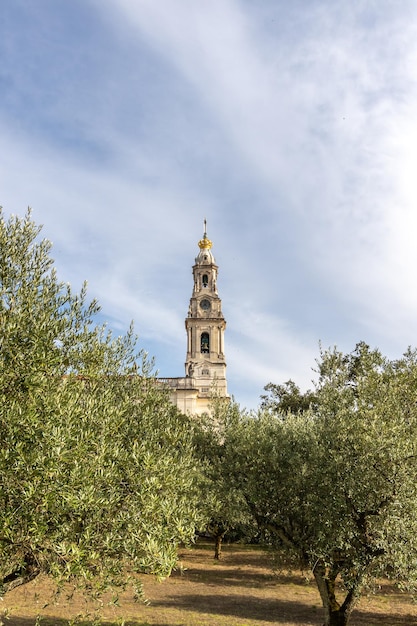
(222, 502)
(335, 485)
(96, 466)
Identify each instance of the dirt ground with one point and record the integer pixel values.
(240, 590)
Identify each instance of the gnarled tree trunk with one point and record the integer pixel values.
(335, 614)
(22, 575)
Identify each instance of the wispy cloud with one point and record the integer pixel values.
(290, 126)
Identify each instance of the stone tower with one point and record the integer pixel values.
(205, 325)
(205, 365)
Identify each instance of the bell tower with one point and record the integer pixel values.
(205, 362)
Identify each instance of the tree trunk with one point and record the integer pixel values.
(218, 538)
(334, 613)
(24, 574)
(338, 618)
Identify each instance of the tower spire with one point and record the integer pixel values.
(205, 243)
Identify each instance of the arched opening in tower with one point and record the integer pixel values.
(205, 343)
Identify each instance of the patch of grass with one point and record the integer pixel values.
(239, 590)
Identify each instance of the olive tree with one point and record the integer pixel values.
(286, 398)
(97, 468)
(335, 489)
(222, 502)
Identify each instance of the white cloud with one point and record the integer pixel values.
(290, 126)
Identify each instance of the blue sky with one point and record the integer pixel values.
(290, 126)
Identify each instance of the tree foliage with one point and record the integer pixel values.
(286, 398)
(96, 465)
(222, 502)
(335, 488)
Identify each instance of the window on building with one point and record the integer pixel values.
(205, 343)
(205, 280)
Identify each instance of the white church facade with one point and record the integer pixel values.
(205, 364)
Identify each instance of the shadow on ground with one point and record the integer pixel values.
(56, 621)
(272, 611)
(362, 618)
(248, 607)
(275, 611)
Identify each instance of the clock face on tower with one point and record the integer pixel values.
(205, 304)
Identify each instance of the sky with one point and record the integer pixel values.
(290, 126)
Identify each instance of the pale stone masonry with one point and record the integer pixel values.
(205, 365)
